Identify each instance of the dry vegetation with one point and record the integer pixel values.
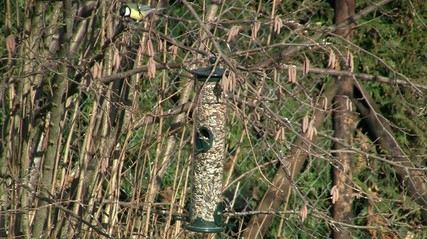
(326, 121)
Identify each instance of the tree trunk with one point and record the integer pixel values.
(281, 185)
(343, 123)
(344, 10)
(55, 132)
(380, 132)
(342, 170)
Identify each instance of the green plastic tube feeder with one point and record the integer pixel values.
(209, 152)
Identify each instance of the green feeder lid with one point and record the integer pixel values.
(200, 225)
(209, 73)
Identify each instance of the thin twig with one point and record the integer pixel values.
(69, 212)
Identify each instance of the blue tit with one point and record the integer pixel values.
(137, 11)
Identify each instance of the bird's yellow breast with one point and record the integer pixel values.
(137, 15)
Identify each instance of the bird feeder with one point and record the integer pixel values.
(209, 145)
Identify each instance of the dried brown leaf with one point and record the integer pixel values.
(305, 123)
(332, 59)
(160, 47)
(174, 51)
(97, 70)
(275, 75)
(228, 82)
(234, 31)
(150, 48)
(278, 24)
(280, 135)
(311, 131)
(349, 104)
(350, 62)
(277, 136)
(116, 59)
(325, 103)
(334, 193)
(255, 29)
(151, 65)
(292, 74)
(225, 84)
(303, 213)
(306, 66)
(10, 43)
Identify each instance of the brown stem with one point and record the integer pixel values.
(381, 133)
(280, 189)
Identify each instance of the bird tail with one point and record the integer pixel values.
(155, 11)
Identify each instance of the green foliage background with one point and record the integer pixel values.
(389, 42)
